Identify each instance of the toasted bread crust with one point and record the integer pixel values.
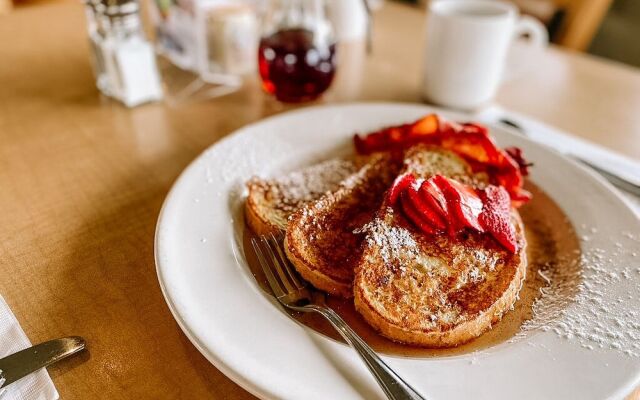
(256, 221)
(448, 336)
(435, 291)
(444, 292)
(270, 202)
(320, 239)
(341, 288)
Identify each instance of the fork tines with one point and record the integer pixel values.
(284, 282)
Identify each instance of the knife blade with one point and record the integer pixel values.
(613, 178)
(24, 362)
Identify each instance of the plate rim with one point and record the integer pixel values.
(220, 364)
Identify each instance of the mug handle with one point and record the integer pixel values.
(538, 39)
(538, 35)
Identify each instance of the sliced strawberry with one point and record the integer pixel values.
(400, 184)
(469, 127)
(378, 141)
(432, 193)
(463, 203)
(422, 205)
(360, 143)
(496, 216)
(428, 125)
(387, 139)
(470, 205)
(469, 140)
(449, 127)
(520, 198)
(414, 215)
(516, 154)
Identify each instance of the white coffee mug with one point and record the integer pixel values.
(467, 44)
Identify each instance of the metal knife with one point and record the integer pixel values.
(24, 362)
(613, 178)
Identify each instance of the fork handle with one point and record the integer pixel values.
(393, 386)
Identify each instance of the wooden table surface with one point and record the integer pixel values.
(82, 180)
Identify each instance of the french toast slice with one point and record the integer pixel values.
(270, 202)
(320, 240)
(435, 291)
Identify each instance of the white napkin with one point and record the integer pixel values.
(36, 386)
(568, 144)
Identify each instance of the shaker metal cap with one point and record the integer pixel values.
(118, 7)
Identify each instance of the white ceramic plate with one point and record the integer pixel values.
(241, 330)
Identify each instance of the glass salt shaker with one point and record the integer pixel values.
(123, 60)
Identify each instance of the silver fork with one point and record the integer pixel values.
(292, 292)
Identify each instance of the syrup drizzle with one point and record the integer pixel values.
(552, 242)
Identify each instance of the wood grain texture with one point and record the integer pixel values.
(82, 180)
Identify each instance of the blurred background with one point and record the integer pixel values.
(607, 28)
(83, 177)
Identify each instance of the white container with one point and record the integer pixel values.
(467, 44)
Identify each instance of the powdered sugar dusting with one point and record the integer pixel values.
(583, 301)
(309, 183)
(394, 242)
(287, 193)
